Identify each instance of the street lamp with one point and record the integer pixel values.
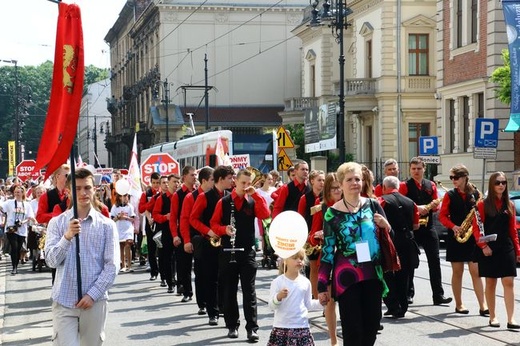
(335, 15)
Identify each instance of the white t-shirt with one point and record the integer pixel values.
(124, 227)
(292, 311)
(17, 211)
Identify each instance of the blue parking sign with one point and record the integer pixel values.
(486, 133)
(428, 145)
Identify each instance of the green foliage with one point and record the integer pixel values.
(502, 77)
(36, 81)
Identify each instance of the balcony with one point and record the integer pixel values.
(300, 103)
(419, 84)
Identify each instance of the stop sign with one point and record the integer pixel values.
(162, 163)
(25, 170)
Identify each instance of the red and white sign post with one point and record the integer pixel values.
(163, 163)
(25, 170)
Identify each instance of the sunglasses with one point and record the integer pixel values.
(500, 182)
(456, 177)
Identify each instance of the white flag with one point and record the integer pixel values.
(134, 173)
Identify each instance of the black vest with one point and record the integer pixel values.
(244, 223)
(459, 208)
(181, 194)
(293, 196)
(399, 213)
(53, 198)
(422, 196)
(212, 197)
(499, 224)
(166, 206)
(310, 199)
(193, 231)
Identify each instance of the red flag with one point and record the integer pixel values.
(67, 89)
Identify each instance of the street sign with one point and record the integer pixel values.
(428, 145)
(25, 170)
(284, 162)
(283, 138)
(486, 133)
(431, 159)
(485, 153)
(161, 163)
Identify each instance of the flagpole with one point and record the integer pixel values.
(75, 213)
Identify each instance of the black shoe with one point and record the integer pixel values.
(163, 283)
(233, 333)
(252, 336)
(484, 313)
(213, 321)
(441, 300)
(512, 326)
(153, 277)
(185, 299)
(390, 312)
(494, 324)
(13, 272)
(202, 311)
(462, 311)
(381, 327)
(410, 300)
(170, 289)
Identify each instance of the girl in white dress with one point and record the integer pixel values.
(123, 214)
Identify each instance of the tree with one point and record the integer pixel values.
(502, 77)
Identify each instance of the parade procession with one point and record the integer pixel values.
(221, 181)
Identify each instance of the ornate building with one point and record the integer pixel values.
(169, 57)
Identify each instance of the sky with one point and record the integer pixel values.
(28, 30)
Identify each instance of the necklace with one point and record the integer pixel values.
(345, 202)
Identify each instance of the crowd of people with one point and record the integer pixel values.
(363, 244)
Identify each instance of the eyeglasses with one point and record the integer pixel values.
(500, 182)
(335, 189)
(456, 177)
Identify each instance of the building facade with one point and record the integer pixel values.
(94, 125)
(412, 69)
(230, 64)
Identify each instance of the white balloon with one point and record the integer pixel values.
(288, 233)
(122, 187)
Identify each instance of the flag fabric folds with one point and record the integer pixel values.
(134, 173)
(66, 92)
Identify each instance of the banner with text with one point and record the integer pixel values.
(11, 153)
(512, 19)
(239, 162)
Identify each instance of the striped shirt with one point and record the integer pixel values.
(99, 256)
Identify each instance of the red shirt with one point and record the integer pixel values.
(42, 216)
(157, 209)
(261, 211)
(378, 190)
(187, 207)
(145, 204)
(317, 225)
(512, 225)
(196, 213)
(174, 210)
(283, 192)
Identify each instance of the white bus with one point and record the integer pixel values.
(197, 151)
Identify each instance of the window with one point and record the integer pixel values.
(465, 16)
(458, 25)
(418, 54)
(465, 123)
(313, 80)
(474, 20)
(480, 105)
(450, 141)
(369, 59)
(416, 130)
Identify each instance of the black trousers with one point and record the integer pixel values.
(229, 273)
(184, 262)
(152, 251)
(360, 312)
(398, 282)
(429, 241)
(208, 283)
(15, 243)
(200, 291)
(167, 258)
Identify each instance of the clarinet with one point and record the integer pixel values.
(233, 237)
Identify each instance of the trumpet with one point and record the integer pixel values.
(423, 220)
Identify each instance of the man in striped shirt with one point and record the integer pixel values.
(81, 321)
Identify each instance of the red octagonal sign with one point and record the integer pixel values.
(162, 163)
(25, 170)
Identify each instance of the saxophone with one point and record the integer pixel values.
(423, 220)
(466, 228)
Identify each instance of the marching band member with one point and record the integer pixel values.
(288, 196)
(200, 220)
(234, 221)
(190, 236)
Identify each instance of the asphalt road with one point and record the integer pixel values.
(142, 313)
